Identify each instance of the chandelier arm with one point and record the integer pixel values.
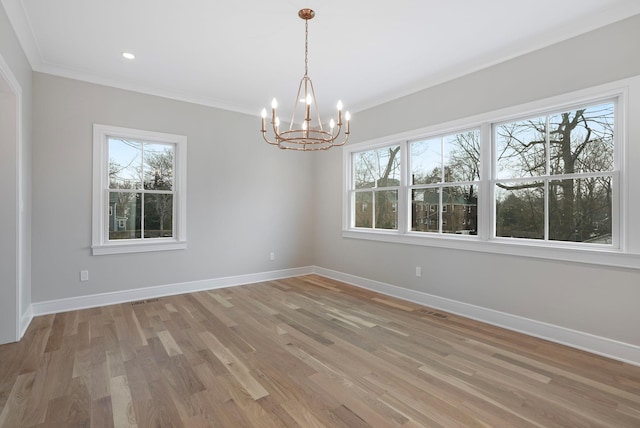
(276, 133)
(337, 131)
(264, 136)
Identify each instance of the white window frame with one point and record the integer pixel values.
(617, 254)
(101, 244)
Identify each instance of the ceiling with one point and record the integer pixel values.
(238, 55)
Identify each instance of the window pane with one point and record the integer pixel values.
(426, 161)
(125, 164)
(520, 148)
(520, 210)
(364, 209)
(580, 210)
(425, 210)
(582, 140)
(460, 210)
(158, 166)
(387, 209)
(462, 156)
(377, 168)
(124, 215)
(158, 215)
(459, 154)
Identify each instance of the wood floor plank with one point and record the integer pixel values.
(302, 416)
(19, 393)
(301, 352)
(235, 366)
(169, 343)
(102, 413)
(122, 404)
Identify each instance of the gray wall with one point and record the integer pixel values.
(245, 198)
(594, 299)
(11, 174)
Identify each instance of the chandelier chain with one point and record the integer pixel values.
(306, 47)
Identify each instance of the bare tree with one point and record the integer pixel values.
(560, 145)
(121, 203)
(158, 175)
(376, 169)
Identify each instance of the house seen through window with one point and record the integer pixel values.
(445, 172)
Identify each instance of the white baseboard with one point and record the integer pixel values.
(25, 320)
(103, 299)
(603, 346)
(610, 348)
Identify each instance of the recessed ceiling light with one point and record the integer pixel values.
(128, 55)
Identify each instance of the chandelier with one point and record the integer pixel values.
(311, 135)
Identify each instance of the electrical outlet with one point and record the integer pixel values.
(84, 275)
(272, 256)
(418, 271)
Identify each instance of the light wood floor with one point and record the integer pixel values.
(307, 352)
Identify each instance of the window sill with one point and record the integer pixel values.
(594, 255)
(124, 248)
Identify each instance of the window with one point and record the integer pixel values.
(554, 175)
(139, 191)
(445, 171)
(376, 181)
(530, 180)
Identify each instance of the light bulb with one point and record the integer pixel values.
(339, 105)
(332, 124)
(274, 103)
(277, 121)
(309, 99)
(304, 125)
(347, 116)
(264, 113)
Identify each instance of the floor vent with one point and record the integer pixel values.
(432, 313)
(142, 302)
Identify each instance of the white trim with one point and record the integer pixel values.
(103, 299)
(13, 84)
(25, 321)
(623, 195)
(117, 248)
(599, 345)
(99, 238)
(24, 32)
